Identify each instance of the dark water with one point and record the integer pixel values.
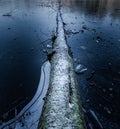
(25, 31)
(93, 29)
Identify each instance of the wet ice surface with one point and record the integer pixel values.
(93, 29)
(23, 39)
(28, 118)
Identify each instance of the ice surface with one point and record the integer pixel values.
(28, 118)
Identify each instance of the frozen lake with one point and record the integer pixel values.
(93, 33)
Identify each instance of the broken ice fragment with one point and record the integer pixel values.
(94, 118)
(83, 47)
(75, 59)
(98, 39)
(45, 51)
(49, 46)
(107, 110)
(80, 69)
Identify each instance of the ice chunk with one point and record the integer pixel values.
(80, 69)
(94, 117)
(49, 46)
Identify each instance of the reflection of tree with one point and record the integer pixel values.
(114, 8)
(94, 7)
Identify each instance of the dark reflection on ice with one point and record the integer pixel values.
(23, 37)
(30, 114)
(96, 46)
(96, 8)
